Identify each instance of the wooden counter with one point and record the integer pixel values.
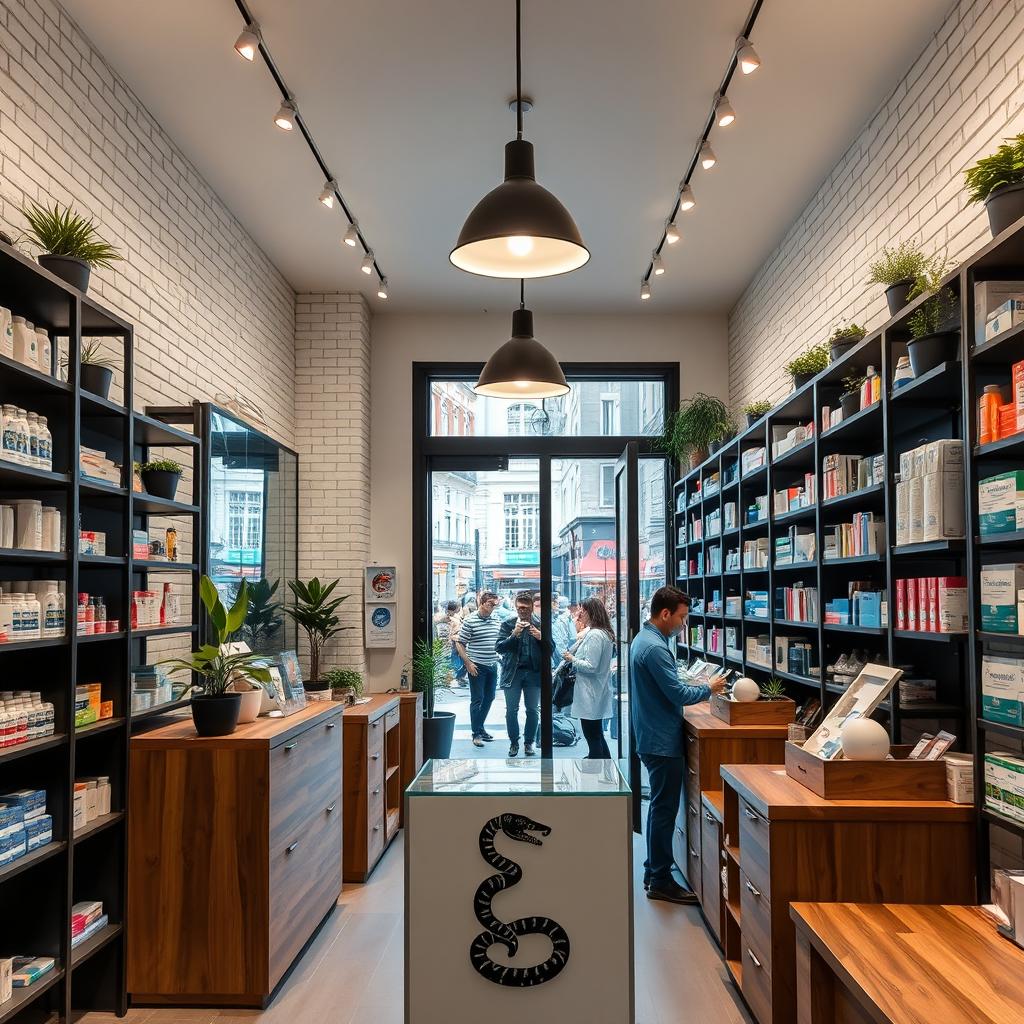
(900, 964)
(234, 855)
(411, 723)
(784, 843)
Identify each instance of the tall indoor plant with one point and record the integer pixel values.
(429, 674)
(898, 269)
(214, 707)
(998, 182)
(72, 244)
(315, 612)
(263, 616)
(690, 431)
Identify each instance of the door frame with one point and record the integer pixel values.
(428, 450)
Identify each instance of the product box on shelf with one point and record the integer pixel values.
(943, 510)
(1009, 314)
(1004, 784)
(959, 778)
(140, 545)
(999, 586)
(988, 297)
(944, 456)
(28, 969)
(31, 801)
(1002, 689)
(915, 510)
(92, 542)
(6, 970)
(1001, 503)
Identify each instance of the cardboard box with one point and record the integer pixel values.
(944, 456)
(907, 464)
(943, 506)
(913, 622)
(6, 970)
(916, 507)
(1004, 784)
(1009, 314)
(999, 586)
(1001, 503)
(951, 605)
(901, 604)
(1017, 391)
(959, 778)
(1002, 689)
(988, 297)
(903, 512)
(920, 455)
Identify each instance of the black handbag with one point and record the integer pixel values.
(565, 686)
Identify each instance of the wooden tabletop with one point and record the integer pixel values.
(715, 801)
(918, 964)
(771, 791)
(378, 704)
(700, 721)
(264, 732)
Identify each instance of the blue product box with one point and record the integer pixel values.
(12, 847)
(38, 831)
(12, 819)
(869, 609)
(31, 801)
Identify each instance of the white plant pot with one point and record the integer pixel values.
(251, 701)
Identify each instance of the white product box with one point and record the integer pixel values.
(1002, 689)
(1009, 314)
(988, 297)
(6, 971)
(78, 818)
(960, 778)
(915, 515)
(945, 456)
(920, 461)
(902, 512)
(1004, 784)
(782, 653)
(999, 587)
(943, 506)
(1001, 503)
(951, 609)
(907, 464)
(1020, 612)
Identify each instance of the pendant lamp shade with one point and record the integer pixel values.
(519, 229)
(522, 367)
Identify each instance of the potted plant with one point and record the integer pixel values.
(843, 339)
(728, 430)
(262, 617)
(96, 369)
(315, 611)
(998, 182)
(808, 364)
(898, 269)
(934, 325)
(691, 429)
(160, 478)
(346, 684)
(753, 411)
(72, 245)
(215, 707)
(429, 674)
(849, 400)
(773, 689)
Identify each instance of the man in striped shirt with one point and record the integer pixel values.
(476, 644)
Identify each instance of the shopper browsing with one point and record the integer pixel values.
(476, 645)
(563, 630)
(658, 698)
(522, 652)
(591, 656)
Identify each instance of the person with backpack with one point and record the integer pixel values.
(591, 657)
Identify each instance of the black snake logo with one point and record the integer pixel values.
(518, 827)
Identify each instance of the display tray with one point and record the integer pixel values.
(896, 779)
(753, 712)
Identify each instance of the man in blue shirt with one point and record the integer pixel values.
(658, 698)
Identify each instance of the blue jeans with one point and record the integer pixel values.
(666, 775)
(529, 688)
(481, 696)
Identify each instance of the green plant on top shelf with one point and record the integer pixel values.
(895, 266)
(758, 408)
(853, 382)
(812, 362)
(63, 233)
(850, 331)
(342, 679)
(940, 307)
(1003, 167)
(161, 466)
(773, 689)
(692, 428)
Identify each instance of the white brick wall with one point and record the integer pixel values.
(901, 177)
(211, 312)
(332, 406)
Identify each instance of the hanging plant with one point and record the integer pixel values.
(694, 426)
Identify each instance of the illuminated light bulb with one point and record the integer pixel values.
(707, 156)
(327, 195)
(672, 233)
(520, 245)
(382, 288)
(724, 113)
(746, 56)
(285, 117)
(248, 42)
(645, 292)
(686, 198)
(367, 265)
(657, 266)
(351, 236)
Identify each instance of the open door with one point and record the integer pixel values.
(627, 613)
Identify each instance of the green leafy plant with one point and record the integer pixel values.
(262, 617)
(63, 233)
(695, 424)
(758, 408)
(218, 670)
(853, 383)
(315, 611)
(904, 263)
(429, 671)
(92, 355)
(773, 689)
(941, 306)
(850, 332)
(161, 466)
(1004, 167)
(345, 679)
(813, 361)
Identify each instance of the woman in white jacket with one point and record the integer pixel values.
(591, 656)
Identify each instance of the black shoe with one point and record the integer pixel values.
(478, 741)
(670, 892)
(647, 884)
(529, 751)
(486, 736)
(513, 749)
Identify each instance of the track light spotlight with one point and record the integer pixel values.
(382, 288)
(367, 265)
(285, 117)
(327, 195)
(686, 199)
(672, 234)
(645, 292)
(724, 114)
(746, 56)
(351, 236)
(248, 42)
(657, 266)
(707, 156)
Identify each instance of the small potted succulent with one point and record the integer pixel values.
(934, 326)
(316, 612)
(753, 411)
(773, 689)
(998, 182)
(898, 269)
(808, 364)
(215, 705)
(843, 339)
(849, 400)
(160, 477)
(690, 431)
(72, 245)
(346, 684)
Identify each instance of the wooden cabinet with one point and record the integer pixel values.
(234, 855)
(711, 861)
(373, 782)
(411, 725)
(783, 843)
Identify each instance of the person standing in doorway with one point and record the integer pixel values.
(658, 698)
(476, 645)
(563, 629)
(454, 614)
(591, 656)
(522, 652)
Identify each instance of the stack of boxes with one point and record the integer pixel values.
(1002, 689)
(1002, 588)
(864, 605)
(1001, 503)
(90, 706)
(759, 651)
(930, 493)
(87, 918)
(785, 439)
(91, 801)
(792, 498)
(932, 604)
(1004, 784)
(24, 824)
(94, 464)
(755, 604)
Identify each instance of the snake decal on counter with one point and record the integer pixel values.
(519, 828)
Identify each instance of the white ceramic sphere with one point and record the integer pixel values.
(864, 739)
(745, 690)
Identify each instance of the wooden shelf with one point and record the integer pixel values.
(154, 433)
(23, 997)
(23, 557)
(796, 566)
(852, 560)
(148, 504)
(795, 624)
(864, 495)
(911, 634)
(954, 547)
(29, 860)
(735, 968)
(101, 560)
(1010, 824)
(33, 645)
(103, 725)
(1003, 349)
(391, 771)
(98, 638)
(846, 627)
(1006, 540)
(101, 489)
(32, 747)
(81, 953)
(14, 475)
(1005, 448)
(97, 825)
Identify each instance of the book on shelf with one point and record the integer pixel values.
(751, 459)
(797, 603)
(865, 535)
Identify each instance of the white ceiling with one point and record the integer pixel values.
(407, 101)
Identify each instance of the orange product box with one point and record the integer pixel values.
(1017, 392)
(107, 709)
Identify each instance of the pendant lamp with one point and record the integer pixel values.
(519, 229)
(522, 367)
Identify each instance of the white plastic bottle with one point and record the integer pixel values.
(52, 611)
(44, 351)
(23, 339)
(9, 442)
(45, 444)
(23, 452)
(33, 630)
(6, 333)
(17, 617)
(33, 440)
(6, 618)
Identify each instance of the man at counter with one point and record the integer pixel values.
(658, 697)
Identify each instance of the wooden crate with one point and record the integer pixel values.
(753, 712)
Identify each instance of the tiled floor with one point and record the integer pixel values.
(352, 973)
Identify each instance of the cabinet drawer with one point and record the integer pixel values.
(711, 867)
(679, 850)
(391, 720)
(692, 751)
(757, 980)
(755, 843)
(305, 773)
(693, 872)
(375, 735)
(756, 914)
(375, 837)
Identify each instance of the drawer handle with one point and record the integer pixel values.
(375, 757)
(679, 831)
(709, 817)
(373, 725)
(752, 890)
(291, 746)
(376, 792)
(751, 815)
(291, 849)
(754, 960)
(691, 771)
(691, 739)
(331, 808)
(693, 852)
(692, 810)
(376, 828)
(331, 725)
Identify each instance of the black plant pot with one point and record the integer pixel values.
(898, 295)
(752, 418)
(926, 353)
(850, 405)
(96, 379)
(161, 483)
(837, 349)
(67, 268)
(438, 733)
(800, 379)
(216, 716)
(715, 446)
(1005, 206)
